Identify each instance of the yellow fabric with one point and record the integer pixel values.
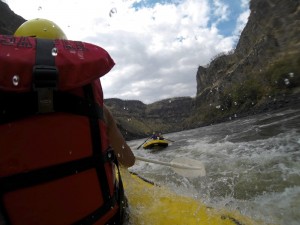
(154, 205)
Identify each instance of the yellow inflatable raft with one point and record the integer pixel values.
(150, 204)
(156, 144)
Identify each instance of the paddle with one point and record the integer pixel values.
(183, 166)
(143, 143)
(169, 140)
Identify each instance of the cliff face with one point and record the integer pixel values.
(273, 26)
(137, 120)
(272, 31)
(262, 73)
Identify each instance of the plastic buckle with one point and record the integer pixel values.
(45, 81)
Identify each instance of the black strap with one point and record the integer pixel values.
(35, 177)
(44, 52)
(118, 197)
(96, 141)
(15, 106)
(45, 74)
(120, 193)
(77, 105)
(47, 174)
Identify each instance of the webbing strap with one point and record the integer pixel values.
(45, 50)
(47, 174)
(45, 74)
(96, 141)
(118, 197)
(52, 173)
(122, 201)
(14, 106)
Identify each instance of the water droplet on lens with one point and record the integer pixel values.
(54, 52)
(80, 55)
(112, 11)
(16, 80)
(286, 81)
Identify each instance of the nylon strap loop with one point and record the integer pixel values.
(45, 75)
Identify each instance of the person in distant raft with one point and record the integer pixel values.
(57, 165)
(154, 136)
(160, 136)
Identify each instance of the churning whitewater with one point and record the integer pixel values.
(252, 165)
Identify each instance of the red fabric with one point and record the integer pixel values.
(78, 63)
(41, 141)
(63, 201)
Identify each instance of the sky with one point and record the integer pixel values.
(157, 45)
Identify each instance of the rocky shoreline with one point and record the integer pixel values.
(270, 105)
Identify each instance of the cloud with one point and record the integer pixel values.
(220, 10)
(157, 45)
(241, 21)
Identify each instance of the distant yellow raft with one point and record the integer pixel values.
(156, 144)
(154, 205)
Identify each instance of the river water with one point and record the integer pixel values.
(252, 165)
